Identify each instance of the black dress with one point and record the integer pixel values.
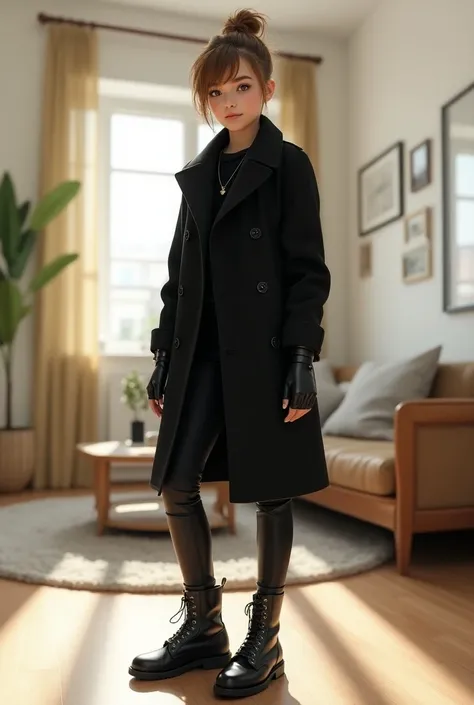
(207, 345)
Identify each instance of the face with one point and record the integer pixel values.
(238, 103)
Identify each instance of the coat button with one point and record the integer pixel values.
(180, 290)
(186, 234)
(255, 233)
(262, 287)
(275, 342)
(176, 342)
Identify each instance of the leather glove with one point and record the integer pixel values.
(156, 386)
(300, 384)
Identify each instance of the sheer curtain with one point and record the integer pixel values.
(66, 336)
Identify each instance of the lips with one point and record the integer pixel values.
(233, 115)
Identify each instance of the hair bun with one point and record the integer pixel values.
(246, 22)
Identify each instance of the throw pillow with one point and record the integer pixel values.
(369, 406)
(330, 394)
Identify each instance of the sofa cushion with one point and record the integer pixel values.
(368, 408)
(358, 464)
(330, 393)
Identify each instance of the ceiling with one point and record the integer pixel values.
(336, 17)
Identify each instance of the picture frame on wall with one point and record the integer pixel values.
(420, 165)
(417, 263)
(418, 227)
(380, 190)
(365, 260)
(417, 257)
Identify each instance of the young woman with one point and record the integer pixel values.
(239, 331)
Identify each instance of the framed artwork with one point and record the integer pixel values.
(417, 263)
(418, 227)
(420, 165)
(457, 129)
(380, 190)
(365, 260)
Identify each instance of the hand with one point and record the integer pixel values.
(157, 383)
(300, 384)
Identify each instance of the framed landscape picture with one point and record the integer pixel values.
(420, 165)
(380, 187)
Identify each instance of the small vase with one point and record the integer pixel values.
(138, 431)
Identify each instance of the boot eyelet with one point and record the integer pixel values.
(194, 621)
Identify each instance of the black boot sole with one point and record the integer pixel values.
(207, 663)
(276, 672)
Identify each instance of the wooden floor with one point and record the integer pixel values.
(374, 639)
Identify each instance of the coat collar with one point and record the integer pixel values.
(197, 179)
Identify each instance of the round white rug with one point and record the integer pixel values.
(54, 542)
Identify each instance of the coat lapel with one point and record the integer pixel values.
(197, 179)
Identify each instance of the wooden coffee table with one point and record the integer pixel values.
(146, 513)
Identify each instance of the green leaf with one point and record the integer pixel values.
(9, 221)
(25, 248)
(51, 270)
(23, 211)
(12, 310)
(53, 203)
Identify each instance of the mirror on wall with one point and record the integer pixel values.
(458, 201)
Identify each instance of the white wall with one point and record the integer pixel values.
(160, 61)
(406, 60)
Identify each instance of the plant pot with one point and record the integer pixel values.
(137, 431)
(16, 458)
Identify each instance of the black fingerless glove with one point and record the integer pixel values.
(300, 383)
(156, 386)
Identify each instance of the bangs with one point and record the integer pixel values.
(221, 65)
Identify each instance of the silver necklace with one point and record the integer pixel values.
(224, 186)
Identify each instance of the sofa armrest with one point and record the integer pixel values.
(434, 454)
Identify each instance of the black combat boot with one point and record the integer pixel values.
(200, 642)
(260, 658)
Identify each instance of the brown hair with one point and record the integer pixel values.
(219, 62)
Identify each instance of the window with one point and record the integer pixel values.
(464, 225)
(145, 140)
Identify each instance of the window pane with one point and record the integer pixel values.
(133, 313)
(143, 213)
(146, 143)
(465, 174)
(464, 223)
(130, 274)
(205, 135)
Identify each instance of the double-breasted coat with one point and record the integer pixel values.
(270, 283)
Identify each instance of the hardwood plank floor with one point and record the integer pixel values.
(372, 639)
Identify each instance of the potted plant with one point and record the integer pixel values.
(134, 396)
(18, 236)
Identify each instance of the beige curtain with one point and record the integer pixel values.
(66, 337)
(299, 115)
(299, 108)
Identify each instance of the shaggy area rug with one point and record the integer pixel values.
(54, 542)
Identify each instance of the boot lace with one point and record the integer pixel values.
(189, 608)
(256, 611)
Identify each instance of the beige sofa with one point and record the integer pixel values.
(424, 479)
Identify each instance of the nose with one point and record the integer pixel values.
(230, 102)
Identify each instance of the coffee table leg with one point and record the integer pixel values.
(102, 488)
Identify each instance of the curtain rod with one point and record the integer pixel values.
(43, 18)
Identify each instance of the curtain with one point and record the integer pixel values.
(66, 333)
(299, 108)
(299, 114)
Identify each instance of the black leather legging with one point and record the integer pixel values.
(201, 421)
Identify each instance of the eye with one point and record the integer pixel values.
(214, 93)
(244, 87)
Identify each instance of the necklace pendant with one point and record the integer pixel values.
(222, 191)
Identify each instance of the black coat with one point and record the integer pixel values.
(270, 283)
